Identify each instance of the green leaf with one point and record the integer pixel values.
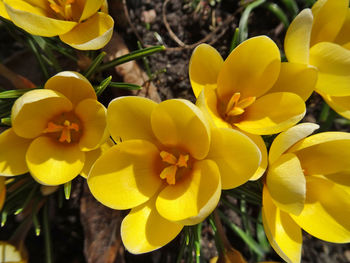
(253, 245)
(132, 56)
(103, 85)
(243, 22)
(126, 86)
(278, 12)
(292, 7)
(13, 94)
(94, 65)
(67, 189)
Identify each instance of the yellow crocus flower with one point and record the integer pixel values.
(320, 37)
(251, 90)
(169, 168)
(307, 187)
(78, 23)
(53, 129)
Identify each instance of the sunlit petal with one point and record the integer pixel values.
(32, 19)
(130, 118)
(32, 111)
(54, 163)
(297, 40)
(251, 69)
(333, 63)
(92, 114)
(204, 67)
(286, 183)
(3, 12)
(72, 85)
(92, 156)
(194, 196)
(126, 175)
(12, 153)
(340, 104)
(343, 36)
(296, 78)
(286, 139)
(144, 230)
(92, 34)
(179, 123)
(325, 11)
(326, 214)
(272, 113)
(207, 101)
(90, 8)
(321, 154)
(236, 155)
(258, 140)
(282, 232)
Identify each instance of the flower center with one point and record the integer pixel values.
(236, 106)
(169, 172)
(64, 128)
(63, 8)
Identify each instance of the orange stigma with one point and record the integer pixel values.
(65, 130)
(170, 172)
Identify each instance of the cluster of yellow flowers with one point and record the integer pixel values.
(175, 157)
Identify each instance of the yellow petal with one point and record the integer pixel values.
(204, 67)
(251, 69)
(31, 112)
(53, 163)
(12, 153)
(326, 211)
(179, 123)
(297, 40)
(340, 104)
(126, 175)
(92, 156)
(130, 118)
(286, 183)
(258, 140)
(72, 85)
(144, 230)
(193, 197)
(92, 115)
(236, 155)
(333, 63)
(325, 11)
(92, 34)
(282, 232)
(272, 113)
(32, 19)
(207, 101)
(11, 254)
(3, 12)
(324, 153)
(90, 8)
(296, 78)
(286, 139)
(343, 36)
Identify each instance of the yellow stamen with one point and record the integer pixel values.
(169, 172)
(62, 8)
(236, 107)
(168, 157)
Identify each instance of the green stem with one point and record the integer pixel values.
(94, 65)
(197, 243)
(278, 12)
